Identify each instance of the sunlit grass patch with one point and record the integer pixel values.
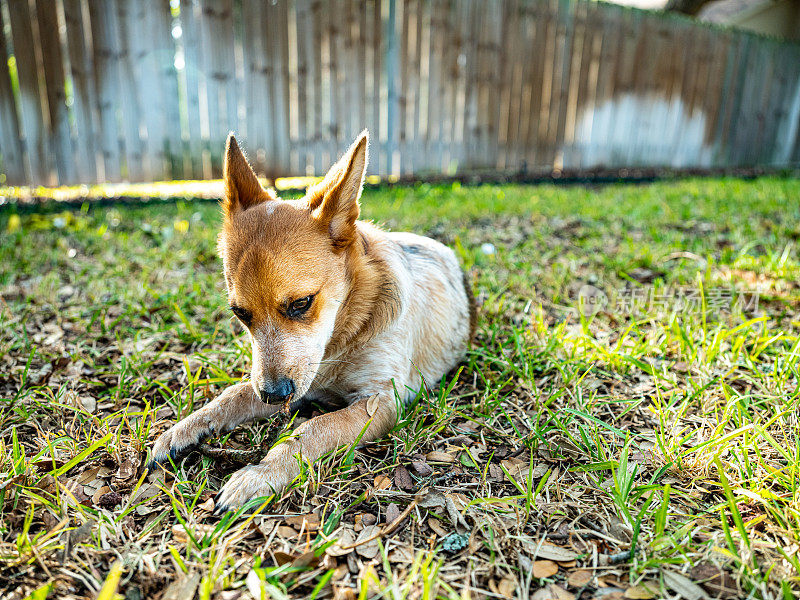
(627, 419)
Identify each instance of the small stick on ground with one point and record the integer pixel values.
(276, 426)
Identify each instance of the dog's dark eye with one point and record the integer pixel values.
(244, 315)
(299, 307)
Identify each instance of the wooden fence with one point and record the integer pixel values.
(110, 90)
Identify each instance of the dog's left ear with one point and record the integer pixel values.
(242, 188)
(334, 200)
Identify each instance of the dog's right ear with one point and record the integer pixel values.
(242, 188)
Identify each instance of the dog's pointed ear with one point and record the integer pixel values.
(334, 200)
(242, 188)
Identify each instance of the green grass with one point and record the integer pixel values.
(649, 442)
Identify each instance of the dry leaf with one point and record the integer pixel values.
(207, 506)
(88, 475)
(431, 499)
(549, 551)
(372, 404)
(639, 592)
(286, 532)
(507, 587)
(684, 586)
(344, 538)
(309, 522)
(436, 525)
(579, 578)
(718, 582)
(368, 549)
(567, 564)
(183, 588)
(559, 593)
(544, 568)
(364, 519)
(456, 518)
(441, 457)
(421, 468)
(127, 470)
(392, 512)
(282, 558)
(382, 482)
(401, 554)
(306, 560)
(402, 479)
(98, 493)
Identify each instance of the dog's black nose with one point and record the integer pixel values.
(279, 392)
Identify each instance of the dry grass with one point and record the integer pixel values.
(646, 446)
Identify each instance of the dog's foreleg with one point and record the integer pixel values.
(365, 420)
(234, 406)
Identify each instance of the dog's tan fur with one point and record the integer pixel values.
(389, 311)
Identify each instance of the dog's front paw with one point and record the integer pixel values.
(255, 481)
(181, 438)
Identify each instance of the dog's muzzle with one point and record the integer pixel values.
(279, 393)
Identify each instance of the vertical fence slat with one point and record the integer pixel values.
(278, 20)
(507, 116)
(31, 110)
(374, 55)
(57, 132)
(195, 137)
(11, 155)
(257, 67)
(84, 100)
(106, 76)
(219, 73)
(131, 85)
(320, 150)
(145, 96)
(163, 118)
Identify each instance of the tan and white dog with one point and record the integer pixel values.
(335, 307)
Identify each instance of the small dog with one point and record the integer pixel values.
(335, 307)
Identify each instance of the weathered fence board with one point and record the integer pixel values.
(83, 95)
(108, 90)
(12, 160)
(33, 120)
